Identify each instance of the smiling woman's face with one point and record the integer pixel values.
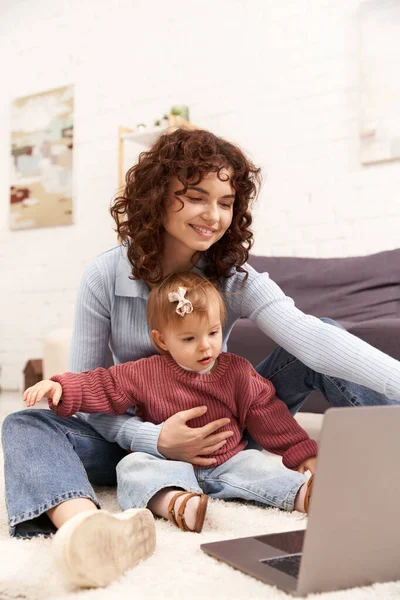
(205, 216)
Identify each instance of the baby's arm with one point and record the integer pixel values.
(98, 391)
(101, 390)
(46, 388)
(271, 424)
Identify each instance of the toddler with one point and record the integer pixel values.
(185, 314)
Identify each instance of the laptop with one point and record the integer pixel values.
(353, 532)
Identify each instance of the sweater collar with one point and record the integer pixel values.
(136, 288)
(224, 360)
(133, 288)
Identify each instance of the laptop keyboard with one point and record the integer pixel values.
(289, 564)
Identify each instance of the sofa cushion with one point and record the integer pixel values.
(355, 289)
(383, 334)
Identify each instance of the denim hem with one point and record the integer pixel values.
(32, 514)
(177, 484)
(28, 536)
(289, 501)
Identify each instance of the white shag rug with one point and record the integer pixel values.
(178, 568)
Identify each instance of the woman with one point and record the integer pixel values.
(186, 204)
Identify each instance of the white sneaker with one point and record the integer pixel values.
(95, 547)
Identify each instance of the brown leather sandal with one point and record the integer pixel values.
(178, 519)
(307, 497)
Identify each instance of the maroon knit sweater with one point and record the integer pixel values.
(158, 387)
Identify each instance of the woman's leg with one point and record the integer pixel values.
(49, 461)
(294, 381)
(48, 464)
(256, 476)
(61, 513)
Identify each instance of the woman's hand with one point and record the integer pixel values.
(178, 441)
(45, 388)
(308, 465)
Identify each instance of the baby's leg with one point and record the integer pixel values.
(144, 480)
(303, 497)
(254, 475)
(173, 504)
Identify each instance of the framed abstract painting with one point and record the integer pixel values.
(379, 56)
(42, 140)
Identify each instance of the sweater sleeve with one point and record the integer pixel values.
(101, 390)
(128, 431)
(271, 424)
(322, 347)
(89, 350)
(92, 327)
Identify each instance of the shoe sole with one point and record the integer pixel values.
(95, 548)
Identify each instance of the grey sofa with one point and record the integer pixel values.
(362, 293)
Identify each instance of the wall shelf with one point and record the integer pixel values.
(143, 138)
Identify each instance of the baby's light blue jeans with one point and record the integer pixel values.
(249, 475)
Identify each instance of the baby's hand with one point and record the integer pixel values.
(308, 465)
(45, 388)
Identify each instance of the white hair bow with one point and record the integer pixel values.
(184, 305)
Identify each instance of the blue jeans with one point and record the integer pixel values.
(48, 460)
(249, 475)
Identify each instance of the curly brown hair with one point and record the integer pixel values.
(140, 210)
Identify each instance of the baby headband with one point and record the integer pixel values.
(184, 305)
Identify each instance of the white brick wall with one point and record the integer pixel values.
(279, 78)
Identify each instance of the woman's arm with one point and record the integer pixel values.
(173, 439)
(322, 347)
(128, 431)
(92, 327)
(90, 349)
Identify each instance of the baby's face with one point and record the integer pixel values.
(196, 342)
